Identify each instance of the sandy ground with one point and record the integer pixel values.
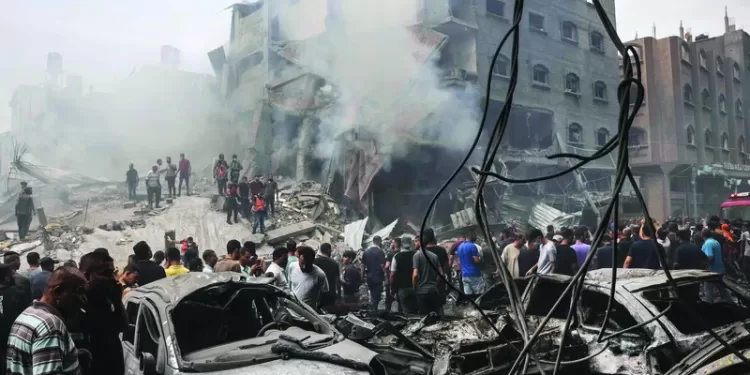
(188, 216)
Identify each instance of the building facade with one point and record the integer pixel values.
(565, 99)
(688, 143)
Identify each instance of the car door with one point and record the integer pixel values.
(132, 363)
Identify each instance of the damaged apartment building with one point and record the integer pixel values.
(303, 113)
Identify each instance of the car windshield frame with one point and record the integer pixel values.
(286, 300)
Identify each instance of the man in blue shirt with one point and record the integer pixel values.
(468, 255)
(712, 249)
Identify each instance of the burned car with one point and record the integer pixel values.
(229, 324)
(648, 331)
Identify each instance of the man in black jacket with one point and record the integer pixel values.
(148, 271)
(331, 268)
(105, 315)
(401, 276)
(12, 303)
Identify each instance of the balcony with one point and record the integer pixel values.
(449, 17)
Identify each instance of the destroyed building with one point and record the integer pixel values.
(305, 118)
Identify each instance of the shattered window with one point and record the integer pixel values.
(636, 137)
(722, 103)
(713, 315)
(496, 8)
(540, 302)
(572, 83)
(502, 66)
(541, 74)
(575, 134)
(738, 108)
(597, 41)
(536, 21)
(690, 136)
(594, 309)
(685, 53)
(687, 94)
(602, 136)
(725, 141)
(132, 312)
(719, 65)
(600, 90)
(705, 99)
(741, 144)
(570, 31)
(702, 58)
(708, 138)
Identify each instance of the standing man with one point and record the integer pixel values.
(471, 274)
(390, 296)
(373, 261)
(424, 281)
(545, 265)
(131, 178)
(21, 282)
(259, 214)
(331, 268)
(209, 261)
(39, 279)
(174, 265)
(688, 256)
(234, 169)
(271, 193)
(307, 281)
(185, 171)
(232, 261)
(171, 176)
(153, 186)
(401, 274)
(351, 279)
(442, 255)
(233, 202)
(256, 186)
(582, 249)
(277, 267)
(11, 305)
(162, 169)
(39, 341)
(244, 189)
(712, 249)
(24, 212)
(642, 253)
(32, 259)
(221, 174)
(148, 271)
(511, 253)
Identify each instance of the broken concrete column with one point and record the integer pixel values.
(305, 140)
(169, 238)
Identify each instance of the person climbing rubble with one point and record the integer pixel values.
(131, 178)
(221, 174)
(171, 175)
(233, 202)
(234, 170)
(259, 214)
(24, 212)
(153, 187)
(271, 193)
(185, 171)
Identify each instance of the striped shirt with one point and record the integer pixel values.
(39, 344)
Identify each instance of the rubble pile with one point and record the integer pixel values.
(123, 225)
(307, 200)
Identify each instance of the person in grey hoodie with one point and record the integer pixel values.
(24, 212)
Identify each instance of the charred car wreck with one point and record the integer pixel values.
(648, 331)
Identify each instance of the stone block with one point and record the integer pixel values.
(282, 234)
(129, 205)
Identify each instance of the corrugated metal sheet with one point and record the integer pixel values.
(543, 215)
(354, 232)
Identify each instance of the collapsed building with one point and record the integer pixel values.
(314, 107)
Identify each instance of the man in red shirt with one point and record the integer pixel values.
(185, 171)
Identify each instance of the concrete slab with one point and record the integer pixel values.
(282, 234)
(129, 205)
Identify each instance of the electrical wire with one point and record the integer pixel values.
(623, 172)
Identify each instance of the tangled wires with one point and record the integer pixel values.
(629, 107)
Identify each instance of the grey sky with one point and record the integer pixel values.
(105, 40)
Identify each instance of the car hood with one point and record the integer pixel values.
(703, 357)
(345, 349)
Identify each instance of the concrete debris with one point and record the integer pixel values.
(129, 205)
(383, 233)
(354, 233)
(280, 235)
(123, 225)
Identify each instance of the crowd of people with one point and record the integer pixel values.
(253, 200)
(160, 174)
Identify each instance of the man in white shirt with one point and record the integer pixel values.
(153, 186)
(547, 253)
(277, 266)
(306, 280)
(209, 261)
